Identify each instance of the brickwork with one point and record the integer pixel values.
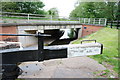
(89, 29)
(8, 30)
(86, 30)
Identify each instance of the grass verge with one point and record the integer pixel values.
(109, 38)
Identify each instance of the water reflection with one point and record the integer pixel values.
(68, 33)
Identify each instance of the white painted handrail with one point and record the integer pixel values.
(39, 18)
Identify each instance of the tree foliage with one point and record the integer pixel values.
(96, 10)
(23, 7)
(71, 34)
(53, 12)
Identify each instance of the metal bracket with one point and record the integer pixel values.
(87, 40)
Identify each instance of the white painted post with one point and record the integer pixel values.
(94, 21)
(99, 20)
(105, 22)
(89, 21)
(51, 17)
(84, 20)
(21, 48)
(28, 17)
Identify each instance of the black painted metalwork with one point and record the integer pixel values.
(40, 48)
(87, 40)
(36, 35)
(10, 60)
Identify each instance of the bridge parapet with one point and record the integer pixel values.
(48, 19)
(86, 21)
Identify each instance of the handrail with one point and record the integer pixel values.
(36, 35)
(87, 40)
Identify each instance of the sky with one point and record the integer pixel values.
(64, 6)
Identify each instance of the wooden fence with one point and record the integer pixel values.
(114, 24)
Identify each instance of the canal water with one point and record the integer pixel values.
(64, 39)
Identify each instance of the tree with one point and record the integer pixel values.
(31, 7)
(111, 10)
(85, 10)
(118, 11)
(72, 33)
(95, 10)
(53, 12)
(9, 7)
(23, 7)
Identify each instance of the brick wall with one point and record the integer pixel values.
(8, 30)
(86, 30)
(89, 29)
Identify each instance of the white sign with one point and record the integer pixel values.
(84, 49)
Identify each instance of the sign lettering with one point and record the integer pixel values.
(84, 49)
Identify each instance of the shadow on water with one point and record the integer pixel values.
(67, 36)
(61, 42)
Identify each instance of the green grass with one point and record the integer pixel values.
(109, 38)
(36, 18)
(25, 18)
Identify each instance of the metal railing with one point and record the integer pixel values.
(95, 21)
(29, 16)
(25, 17)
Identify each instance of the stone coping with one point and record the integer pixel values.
(56, 23)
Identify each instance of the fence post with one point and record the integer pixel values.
(51, 18)
(117, 24)
(28, 17)
(84, 20)
(94, 21)
(105, 22)
(111, 24)
(79, 19)
(99, 21)
(89, 21)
